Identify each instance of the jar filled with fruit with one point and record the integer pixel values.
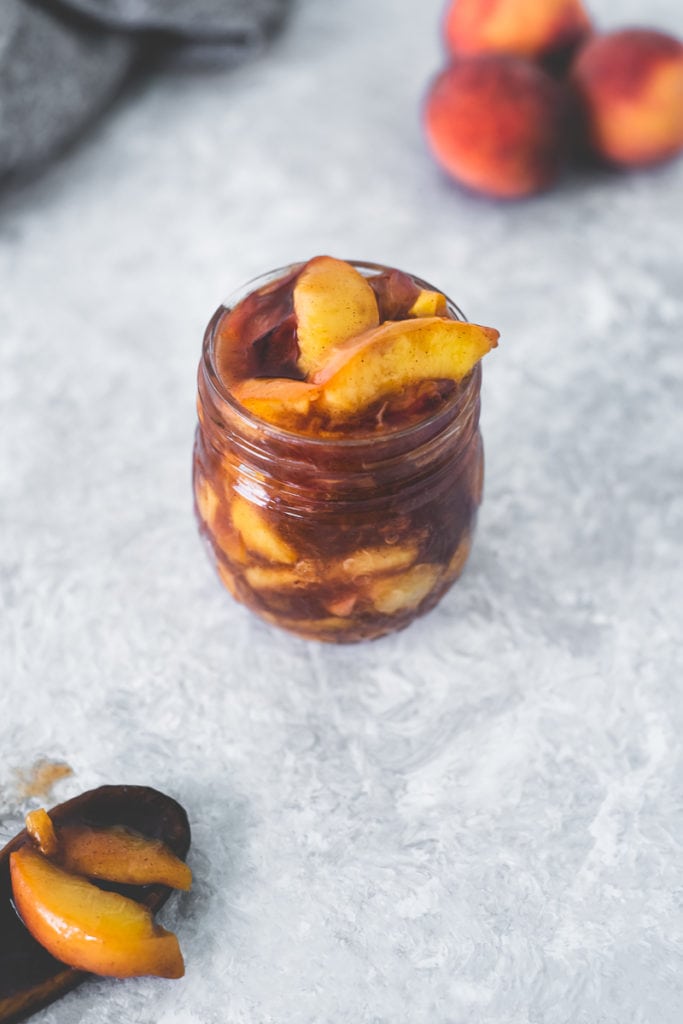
(338, 462)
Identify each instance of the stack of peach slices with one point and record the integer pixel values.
(326, 350)
(81, 924)
(530, 83)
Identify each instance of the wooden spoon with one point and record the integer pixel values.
(29, 977)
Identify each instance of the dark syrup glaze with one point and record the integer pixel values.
(29, 977)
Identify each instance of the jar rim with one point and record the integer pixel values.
(358, 440)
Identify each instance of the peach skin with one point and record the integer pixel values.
(629, 86)
(526, 28)
(497, 125)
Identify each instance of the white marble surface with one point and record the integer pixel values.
(477, 821)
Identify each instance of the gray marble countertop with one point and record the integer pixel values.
(478, 820)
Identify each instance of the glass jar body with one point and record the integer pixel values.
(336, 539)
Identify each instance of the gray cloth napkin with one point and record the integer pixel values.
(234, 22)
(63, 61)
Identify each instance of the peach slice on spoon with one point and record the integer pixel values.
(118, 855)
(30, 977)
(41, 830)
(87, 927)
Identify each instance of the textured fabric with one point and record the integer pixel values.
(54, 76)
(240, 21)
(62, 62)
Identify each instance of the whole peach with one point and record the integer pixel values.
(527, 28)
(496, 124)
(630, 89)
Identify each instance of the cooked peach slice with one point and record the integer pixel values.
(396, 355)
(87, 928)
(231, 544)
(307, 627)
(227, 578)
(371, 561)
(429, 303)
(258, 535)
(332, 302)
(276, 400)
(41, 830)
(342, 606)
(405, 591)
(281, 577)
(118, 855)
(207, 501)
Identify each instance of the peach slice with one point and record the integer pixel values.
(309, 627)
(276, 401)
(231, 545)
(41, 830)
(281, 577)
(87, 928)
(118, 855)
(405, 591)
(258, 535)
(207, 501)
(372, 561)
(342, 606)
(429, 303)
(227, 578)
(396, 355)
(332, 302)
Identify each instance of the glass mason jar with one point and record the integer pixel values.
(335, 539)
